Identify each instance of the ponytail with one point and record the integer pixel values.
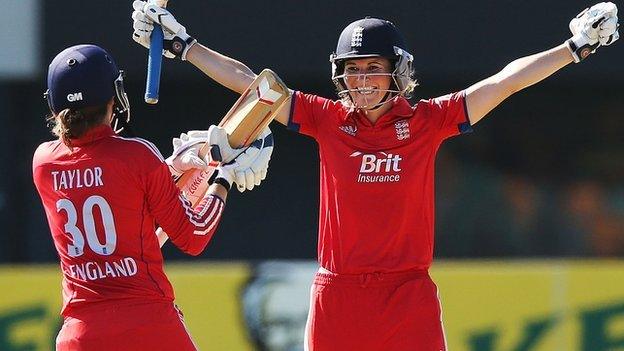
(71, 124)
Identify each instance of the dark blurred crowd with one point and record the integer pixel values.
(536, 179)
(488, 213)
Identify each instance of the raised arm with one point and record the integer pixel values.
(225, 70)
(594, 27)
(228, 72)
(485, 95)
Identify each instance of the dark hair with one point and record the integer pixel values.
(73, 123)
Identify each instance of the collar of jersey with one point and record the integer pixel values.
(94, 134)
(401, 108)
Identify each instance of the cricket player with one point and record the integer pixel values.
(103, 195)
(377, 153)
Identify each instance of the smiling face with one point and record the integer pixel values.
(368, 80)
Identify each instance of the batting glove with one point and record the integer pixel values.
(220, 149)
(593, 27)
(224, 175)
(253, 164)
(186, 148)
(176, 41)
(185, 154)
(248, 167)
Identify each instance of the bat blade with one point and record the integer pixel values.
(251, 113)
(257, 106)
(255, 109)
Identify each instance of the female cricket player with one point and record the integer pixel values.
(377, 152)
(103, 195)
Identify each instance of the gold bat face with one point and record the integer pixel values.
(255, 109)
(252, 112)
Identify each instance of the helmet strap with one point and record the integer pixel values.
(121, 107)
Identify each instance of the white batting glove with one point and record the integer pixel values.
(224, 175)
(246, 167)
(186, 148)
(176, 41)
(220, 149)
(253, 164)
(593, 27)
(185, 154)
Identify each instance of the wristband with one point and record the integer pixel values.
(215, 179)
(582, 52)
(223, 182)
(179, 46)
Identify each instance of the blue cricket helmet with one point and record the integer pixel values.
(373, 37)
(81, 76)
(86, 75)
(369, 37)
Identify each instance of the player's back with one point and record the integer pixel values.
(95, 198)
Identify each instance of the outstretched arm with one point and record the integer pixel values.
(592, 28)
(230, 73)
(485, 95)
(225, 70)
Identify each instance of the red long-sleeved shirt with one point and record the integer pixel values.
(376, 180)
(102, 201)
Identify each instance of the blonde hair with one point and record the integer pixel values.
(408, 92)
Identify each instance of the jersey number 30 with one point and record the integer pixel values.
(77, 249)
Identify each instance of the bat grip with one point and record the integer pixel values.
(154, 62)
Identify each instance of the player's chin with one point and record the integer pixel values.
(367, 100)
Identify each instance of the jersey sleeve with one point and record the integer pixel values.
(189, 229)
(307, 111)
(448, 115)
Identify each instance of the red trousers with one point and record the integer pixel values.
(376, 311)
(148, 326)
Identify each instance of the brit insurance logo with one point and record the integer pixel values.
(378, 167)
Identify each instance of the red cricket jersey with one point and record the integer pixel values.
(376, 180)
(103, 200)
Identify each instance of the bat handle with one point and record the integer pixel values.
(154, 62)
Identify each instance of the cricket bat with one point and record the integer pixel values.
(251, 113)
(154, 60)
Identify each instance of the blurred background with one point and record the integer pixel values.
(531, 205)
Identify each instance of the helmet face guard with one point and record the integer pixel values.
(121, 107)
(401, 77)
(373, 37)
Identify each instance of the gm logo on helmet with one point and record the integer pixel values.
(74, 97)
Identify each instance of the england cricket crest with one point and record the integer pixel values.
(356, 37)
(402, 130)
